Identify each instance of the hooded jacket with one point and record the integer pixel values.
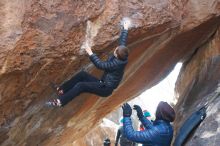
(157, 133)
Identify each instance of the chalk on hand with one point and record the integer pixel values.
(126, 20)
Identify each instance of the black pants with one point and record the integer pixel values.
(83, 82)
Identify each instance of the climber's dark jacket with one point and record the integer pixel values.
(113, 67)
(123, 37)
(158, 133)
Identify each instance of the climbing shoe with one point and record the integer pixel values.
(54, 103)
(56, 88)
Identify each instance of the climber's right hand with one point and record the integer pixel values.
(126, 25)
(89, 51)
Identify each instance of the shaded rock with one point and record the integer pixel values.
(106, 129)
(198, 85)
(208, 132)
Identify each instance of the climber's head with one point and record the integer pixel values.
(121, 52)
(165, 112)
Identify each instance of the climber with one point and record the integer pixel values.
(120, 136)
(83, 82)
(159, 133)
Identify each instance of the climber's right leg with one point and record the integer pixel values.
(82, 76)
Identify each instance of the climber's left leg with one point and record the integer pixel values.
(97, 88)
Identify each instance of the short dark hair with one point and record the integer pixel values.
(122, 52)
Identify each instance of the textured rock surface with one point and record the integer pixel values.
(198, 84)
(41, 41)
(106, 129)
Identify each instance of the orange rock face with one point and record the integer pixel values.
(42, 41)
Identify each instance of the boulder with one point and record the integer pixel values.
(43, 41)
